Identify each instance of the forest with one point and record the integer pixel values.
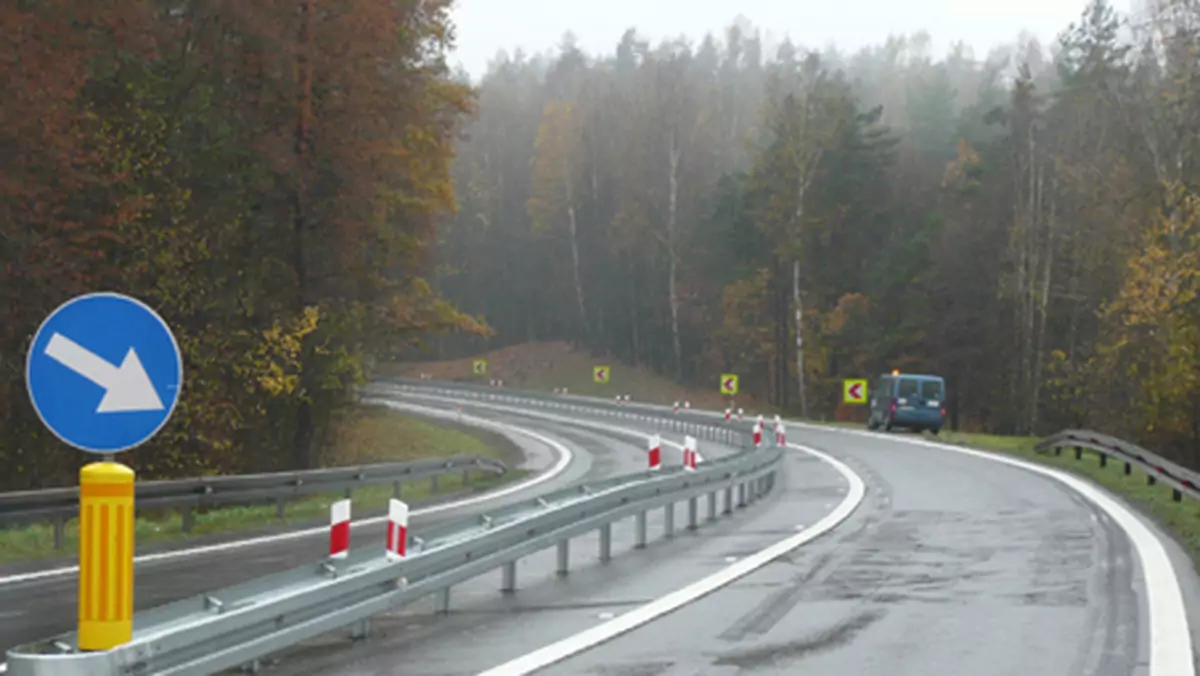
(1024, 224)
(267, 175)
(304, 190)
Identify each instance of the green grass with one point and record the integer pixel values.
(366, 435)
(1181, 519)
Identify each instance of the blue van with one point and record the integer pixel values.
(908, 400)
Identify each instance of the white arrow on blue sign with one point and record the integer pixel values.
(104, 372)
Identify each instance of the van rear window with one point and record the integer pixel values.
(931, 389)
(920, 389)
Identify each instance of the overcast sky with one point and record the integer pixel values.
(486, 26)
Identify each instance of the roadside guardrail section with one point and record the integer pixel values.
(62, 504)
(240, 625)
(1179, 478)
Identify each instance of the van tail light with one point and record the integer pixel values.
(943, 413)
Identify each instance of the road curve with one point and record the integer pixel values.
(953, 564)
(41, 603)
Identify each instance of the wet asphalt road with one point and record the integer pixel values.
(951, 565)
(38, 609)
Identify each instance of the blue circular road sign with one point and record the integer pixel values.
(104, 372)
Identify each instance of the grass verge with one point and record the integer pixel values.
(362, 436)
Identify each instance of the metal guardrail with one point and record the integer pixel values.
(1179, 478)
(62, 504)
(242, 624)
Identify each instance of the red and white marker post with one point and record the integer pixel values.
(687, 405)
(758, 434)
(691, 455)
(677, 407)
(397, 530)
(655, 454)
(780, 435)
(728, 414)
(339, 529)
(740, 412)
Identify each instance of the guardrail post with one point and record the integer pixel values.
(712, 506)
(466, 477)
(742, 495)
(692, 513)
(606, 542)
(669, 520)
(441, 601)
(1078, 453)
(396, 489)
(1103, 460)
(433, 486)
(728, 500)
(361, 630)
(564, 557)
(60, 525)
(1176, 495)
(280, 508)
(508, 577)
(1128, 469)
(188, 519)
(1150, 480)
(639, 531)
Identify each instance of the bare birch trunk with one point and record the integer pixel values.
(673, 252)
(799, 338)
(573, 224)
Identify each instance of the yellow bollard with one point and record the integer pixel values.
(105, 555)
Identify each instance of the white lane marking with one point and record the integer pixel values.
(572, 645)
(1170, 636)
(564, 459)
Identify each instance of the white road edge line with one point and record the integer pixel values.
(1170, 635)
(572, 645)
(564, 459)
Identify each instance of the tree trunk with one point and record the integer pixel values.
(673, 253)
(799, 338)
(303, 433)
(572, 222)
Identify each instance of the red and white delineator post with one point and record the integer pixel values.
(677, 407)
(627, 399)
(655, 454)
(780, 434)
(619, 400)
(691, 456)
(397, 530)
(687, 405)
(728, 414)
(740, 412)
(758, 434)
(339, 529)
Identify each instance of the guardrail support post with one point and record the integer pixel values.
(466, 478)
(1078, 453)
(564, 557)
(606, 542)
(692, 513)
(639, 531)
(396, 489)
(441, 602)
(360, 630)
(1176, 495)
(742, 502)
(1128, 469)
(433, 484)
(1103, 460)
(728, 500)
(280, 508)
(188, 519)
(669, 520)
(712, 506)
(508, 577)
(60, 525)
(1150, 480)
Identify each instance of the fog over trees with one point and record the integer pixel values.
(1023, 223)
(303, 189)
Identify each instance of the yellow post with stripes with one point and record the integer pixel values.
(105, 555)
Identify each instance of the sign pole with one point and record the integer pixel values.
(104, 373)
(105, 555)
